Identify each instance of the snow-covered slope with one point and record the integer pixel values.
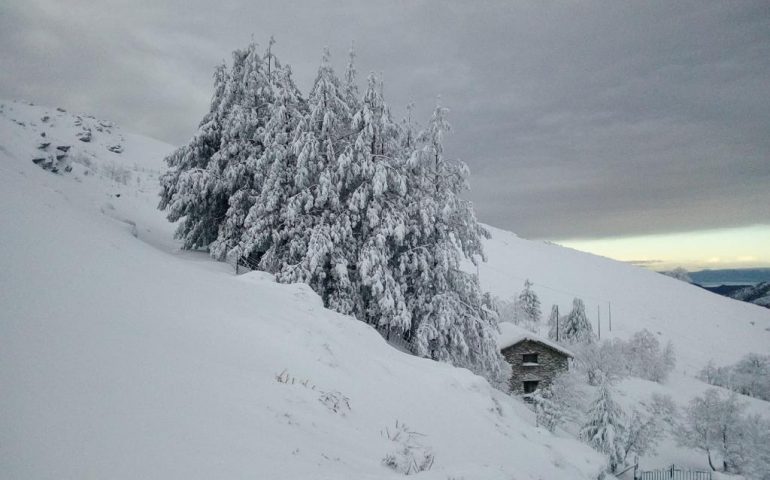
(701, 325)
(123, 358)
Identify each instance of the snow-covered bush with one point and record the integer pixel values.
(116, 172)
(548, 413)
(567, 394)
(336, 402)
(285, 378)
(409, 456)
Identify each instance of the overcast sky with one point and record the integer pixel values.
(579, 119)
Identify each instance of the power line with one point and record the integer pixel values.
(547, 287)
(564, 292)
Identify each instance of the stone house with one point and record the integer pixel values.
(535, 361)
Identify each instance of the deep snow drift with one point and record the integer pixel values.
(123, 358)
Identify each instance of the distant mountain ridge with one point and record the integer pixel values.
(758, 294)
(748, 276)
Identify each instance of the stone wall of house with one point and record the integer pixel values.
(550, 364)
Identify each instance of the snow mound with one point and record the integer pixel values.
(124, 358)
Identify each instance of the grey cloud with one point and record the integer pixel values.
(578, 119)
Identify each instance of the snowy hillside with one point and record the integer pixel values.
(702, 325)
(123, 358)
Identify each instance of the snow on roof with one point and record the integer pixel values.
(511, 334)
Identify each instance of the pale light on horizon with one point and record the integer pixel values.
(743, 247)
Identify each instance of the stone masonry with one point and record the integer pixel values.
(548, 365)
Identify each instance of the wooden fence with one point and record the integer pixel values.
(675, 473)
(241, 265)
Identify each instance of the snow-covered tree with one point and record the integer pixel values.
(577, 328)
(679, 273)
(352, 95)
(601, 362)
(371, 175)
(529, 305)
(554, 324)
(644, 427)
(752, 455)
(450, 322)
(213, 180)
(567, 393)
(268, 227)
(604, 427)
(751, 376)
(315, 232)
(329, 191)
(186, 187)
(710, 373)
(713, 423)
(645, 358)
(240, 165)
(409, 131)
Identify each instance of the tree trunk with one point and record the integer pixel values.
(724, 445)
(711, 464)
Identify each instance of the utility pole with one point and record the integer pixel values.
(609, 307)
(599, 321)
(557, 323)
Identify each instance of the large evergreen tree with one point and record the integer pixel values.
(186, 192)
(372, 176)
(212, 181)
(267, 224)
(331, 192)
(603, 429)
(240, 165)
(322, 237)
(450, 321)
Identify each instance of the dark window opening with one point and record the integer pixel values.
(530, 386)
(529, 358)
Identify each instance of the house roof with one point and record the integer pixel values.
(511, 334)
